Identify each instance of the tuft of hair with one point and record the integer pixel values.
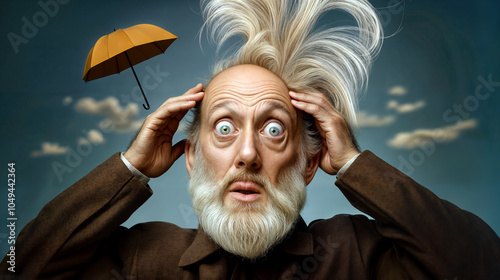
(279, 35)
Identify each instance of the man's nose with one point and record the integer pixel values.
(248, 154)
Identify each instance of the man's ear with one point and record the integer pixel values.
(189, 153)
(312, 167)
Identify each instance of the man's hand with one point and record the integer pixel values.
(338, 143)
(152, 152)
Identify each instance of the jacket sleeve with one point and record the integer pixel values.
(428, 233)
(67, 232)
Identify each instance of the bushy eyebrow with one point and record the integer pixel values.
(273, 105)
(280, 107)
(222, 105)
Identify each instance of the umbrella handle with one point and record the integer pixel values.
(146, 106)
(147, 103)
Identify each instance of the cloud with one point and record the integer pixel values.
(67, 100)
(95, 137)
(366, 120)
(117, 118)
(410, 140)
(405, 108)
(50, 149)
(397, 90)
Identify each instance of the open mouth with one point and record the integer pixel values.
(245, 191)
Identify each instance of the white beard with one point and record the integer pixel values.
(247, 229)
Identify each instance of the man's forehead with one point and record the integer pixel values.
(246, 93)
(247, 85)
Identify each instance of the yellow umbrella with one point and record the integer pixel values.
(124, 48)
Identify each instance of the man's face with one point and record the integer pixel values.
(248, 123)
(248, 172)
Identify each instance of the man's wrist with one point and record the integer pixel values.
(347, 165)
(143, 178)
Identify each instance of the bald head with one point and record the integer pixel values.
(247, 86)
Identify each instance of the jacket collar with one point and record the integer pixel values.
(202, 247)
(298, 243)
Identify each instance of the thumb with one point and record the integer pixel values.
(178, 150)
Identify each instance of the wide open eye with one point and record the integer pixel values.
(224, 128)
(273, 129)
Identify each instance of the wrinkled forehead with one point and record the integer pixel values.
(248, 86)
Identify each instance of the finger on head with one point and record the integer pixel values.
(196, 89)
(169, 109)
(310, 97)
(185, 97)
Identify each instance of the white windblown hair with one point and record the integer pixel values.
(278, 35)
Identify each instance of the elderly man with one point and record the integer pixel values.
(260, 132)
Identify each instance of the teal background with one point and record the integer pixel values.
(438, 51)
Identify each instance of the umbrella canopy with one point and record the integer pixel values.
(124, 48)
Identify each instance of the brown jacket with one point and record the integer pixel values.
(78, 236)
